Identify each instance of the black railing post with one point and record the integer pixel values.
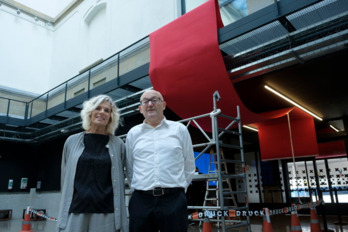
(65, 94)
(118, 69)
(8, 109)
(89, 84)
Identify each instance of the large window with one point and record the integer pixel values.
(230, 10)
(330, 177)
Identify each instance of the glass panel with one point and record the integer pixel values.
(339, 178)
(77, 85)
(104, 72)
(311, 181)
(17, 109)
(231, 11)
(323, 181)
(298, 179)
(38, 105)
(56, 96)
(135, 56)
(3, 106)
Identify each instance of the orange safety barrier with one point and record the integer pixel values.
(26, 226)
(266, 226)
(232, 213)
(315, 223)
(206, 225)
(295, 222)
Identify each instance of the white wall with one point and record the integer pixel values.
(36, 58)
(79, 42)
(36, 200)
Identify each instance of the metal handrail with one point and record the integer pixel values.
(64, 86)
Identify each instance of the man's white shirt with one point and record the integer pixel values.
(160, 156)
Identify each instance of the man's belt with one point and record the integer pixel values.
(157, 192)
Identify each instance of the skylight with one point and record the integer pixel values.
(52, 8)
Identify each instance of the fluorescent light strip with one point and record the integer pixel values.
(251, 128)
(292, 102)
(334, 128)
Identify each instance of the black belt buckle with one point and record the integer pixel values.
(157, 192)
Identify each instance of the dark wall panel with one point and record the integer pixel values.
(37, 162)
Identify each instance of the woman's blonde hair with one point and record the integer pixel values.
(92, 104)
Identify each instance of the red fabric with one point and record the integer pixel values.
(333, 148)
(187, 67)
(330, 149)
(276, 113)
(275, 140)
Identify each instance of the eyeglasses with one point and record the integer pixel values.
(154, 101)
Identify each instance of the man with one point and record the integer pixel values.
(161, 166)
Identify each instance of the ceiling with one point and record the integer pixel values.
(302, 55)
(319, 85)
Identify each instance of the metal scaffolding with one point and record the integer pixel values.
(214, 144)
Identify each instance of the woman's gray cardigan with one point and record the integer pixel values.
(72, 151)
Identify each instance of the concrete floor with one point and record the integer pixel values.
(280, 223)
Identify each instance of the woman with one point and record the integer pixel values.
(92, 179)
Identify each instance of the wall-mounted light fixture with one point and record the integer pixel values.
(334, 128)
(292, 102)
(251, 128)
(18, 11)
(36, 19)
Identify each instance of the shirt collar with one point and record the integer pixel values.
(163, 122)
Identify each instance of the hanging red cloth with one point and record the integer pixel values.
(284, 136)
(331, 148)
(187, 67)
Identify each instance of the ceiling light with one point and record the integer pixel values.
(251, 128)
(18, 11)
(292, 102)
(334, 128)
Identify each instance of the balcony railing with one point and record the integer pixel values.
(128, 59)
